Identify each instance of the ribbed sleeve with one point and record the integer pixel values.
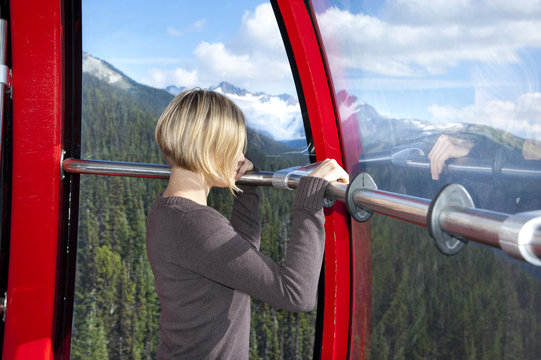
(310, 193)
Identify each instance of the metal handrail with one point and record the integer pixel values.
(5, 73)
(451, 218)
(413, 157)
(102, 167)
(335, 191)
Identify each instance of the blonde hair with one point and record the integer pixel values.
(204, 132)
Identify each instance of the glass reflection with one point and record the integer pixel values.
(430, 93)
(449, 89)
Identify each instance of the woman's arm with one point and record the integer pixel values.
(210, 246)
(245, 211)
(245, 215)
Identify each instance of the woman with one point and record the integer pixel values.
(206, 267)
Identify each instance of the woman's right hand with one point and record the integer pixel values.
(446, 147)
(330, 170)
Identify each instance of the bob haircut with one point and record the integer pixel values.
(204, 132)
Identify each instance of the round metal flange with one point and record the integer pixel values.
(361, 181)
(327, 203)
(449, 195)
(279, 178)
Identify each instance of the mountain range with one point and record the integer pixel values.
(276, 116)
(279, 118)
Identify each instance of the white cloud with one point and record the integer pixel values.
(162, 78)
(255, 59)
(426, 37)
(146, 60)
(173, 31)
(521, 117)
(196, 26)
(259, 30)
(221, 62)
(470, 12)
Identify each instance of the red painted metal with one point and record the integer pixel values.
(37, 57)
(361, 288)
(360, 246)
(36, 37)
(319, 103)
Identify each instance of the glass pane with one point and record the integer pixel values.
(137, 55)
(430, 93)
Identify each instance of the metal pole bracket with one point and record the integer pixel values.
(359, 182)
(449, 195)
(280, 179)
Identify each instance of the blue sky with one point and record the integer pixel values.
(438, 60)
(189, 43)
(473, 61)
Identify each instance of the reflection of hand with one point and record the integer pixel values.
(531, 150)
(245, 166)
(330, 170)
(445, 148)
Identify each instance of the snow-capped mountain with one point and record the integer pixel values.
(106, 72)
(277, 116)
(174, 90)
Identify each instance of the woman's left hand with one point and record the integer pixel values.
(244, 167)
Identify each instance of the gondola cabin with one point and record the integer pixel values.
(434, 109)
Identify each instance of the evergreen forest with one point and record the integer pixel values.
(479, 304)
(116, 309)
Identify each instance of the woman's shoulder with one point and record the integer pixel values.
(186, 209)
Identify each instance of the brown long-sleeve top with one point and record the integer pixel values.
(206, 267)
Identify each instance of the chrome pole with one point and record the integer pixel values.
(5, 75)
(519, 235)
(403, 207)
(101, 167)
(159, 171)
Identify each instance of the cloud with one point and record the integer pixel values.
(466, 12)
(146, 60)
(520, 117)
(259, 30)
(255, 59)
(162, 78)
(196, 26)
(221, 62)
(173, 31)
(425, 37)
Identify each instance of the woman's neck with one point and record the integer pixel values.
(187, 184)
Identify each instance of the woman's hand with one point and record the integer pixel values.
(243, 166)
(330, 170)
(446, 147)
(531, 150)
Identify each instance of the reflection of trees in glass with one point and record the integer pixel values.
(116, 308)
(479, 304)
(475, 305)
